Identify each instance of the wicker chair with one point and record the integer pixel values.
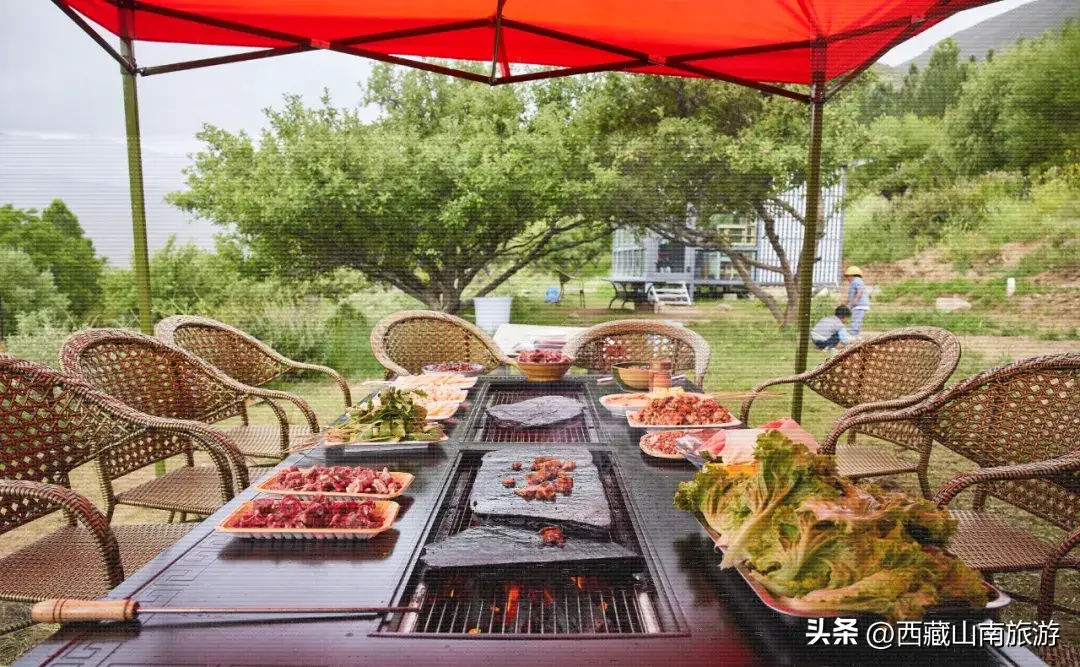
(894, 370)
(53, 424)
(1020, 423)
(60, 417)
(240, 356)
(157, 378)
(602, 345)
(406, 341)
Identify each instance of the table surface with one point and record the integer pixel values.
(721, 621)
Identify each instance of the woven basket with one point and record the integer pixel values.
(544, 372)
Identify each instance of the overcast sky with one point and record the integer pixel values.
(62, 120)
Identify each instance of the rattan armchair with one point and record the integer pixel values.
(242, 357)
(891, 371)
(57, 422)
(52, 424)
(1020, 423)
(602, 345)
(405, 342)
(164, 380)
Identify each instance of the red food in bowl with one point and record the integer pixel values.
(543, 357)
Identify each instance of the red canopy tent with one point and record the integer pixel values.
(757, 43)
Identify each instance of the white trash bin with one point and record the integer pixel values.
(491, 311)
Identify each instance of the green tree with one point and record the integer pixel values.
(1022, 109)
(940, 83)
(691, 153)
(454, 189)
(55, 242)
(25, 289)
(185, 279)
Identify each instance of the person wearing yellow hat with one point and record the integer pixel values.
(858, 298)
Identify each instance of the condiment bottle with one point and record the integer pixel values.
(660, 374)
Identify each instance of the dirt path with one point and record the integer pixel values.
(1002, 349)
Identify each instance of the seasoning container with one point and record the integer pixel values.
(660, 374)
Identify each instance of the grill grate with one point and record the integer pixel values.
(579, 605)
(550, 601)
(580, 430)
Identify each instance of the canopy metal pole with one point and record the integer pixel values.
(135, 179)
(810, 236)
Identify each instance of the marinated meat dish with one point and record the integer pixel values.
(509, 482)
(319, 512)
(552, 536)
(516, 465)
(545, 491)
(686, 410)
(535, 412)
(543, 357)
(551, 477)
(664, 442)
(336, 479)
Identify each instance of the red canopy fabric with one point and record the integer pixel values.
(753, 40)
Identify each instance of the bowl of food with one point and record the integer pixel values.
(466, 368)
(631, 375)
(543, 365)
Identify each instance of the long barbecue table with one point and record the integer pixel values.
(716, 619)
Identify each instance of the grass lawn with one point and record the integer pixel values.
(746, 348)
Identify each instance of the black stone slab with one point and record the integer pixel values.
(501, 545)
(536, 412)
(584, 510)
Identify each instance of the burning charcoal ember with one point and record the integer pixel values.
(516, 465)
(509, 482)
(536, 412)
(504, 545)
(552, 536)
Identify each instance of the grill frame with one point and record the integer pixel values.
(659, 618)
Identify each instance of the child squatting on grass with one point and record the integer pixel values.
(830, 333)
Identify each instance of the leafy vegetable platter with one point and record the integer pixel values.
(784, 606)
(389, 419)
(812, 543)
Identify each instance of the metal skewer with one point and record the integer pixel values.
(86, 611)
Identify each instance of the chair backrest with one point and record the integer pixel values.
(1024, 412)
(602, 345)
(233, 352)
(150, 375)
(53, 423)
(896, 363)
(405, 342)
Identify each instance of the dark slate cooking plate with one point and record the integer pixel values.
(584, 510)
(502, 545)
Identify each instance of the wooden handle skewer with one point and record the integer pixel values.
(86, 611)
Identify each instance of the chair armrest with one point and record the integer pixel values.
(270, 394)
(224, 453)
(342, 384)
(81, 509)
(868, 413)
(1036, 470)
(744, 412)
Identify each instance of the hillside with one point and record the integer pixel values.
(1000, 32)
